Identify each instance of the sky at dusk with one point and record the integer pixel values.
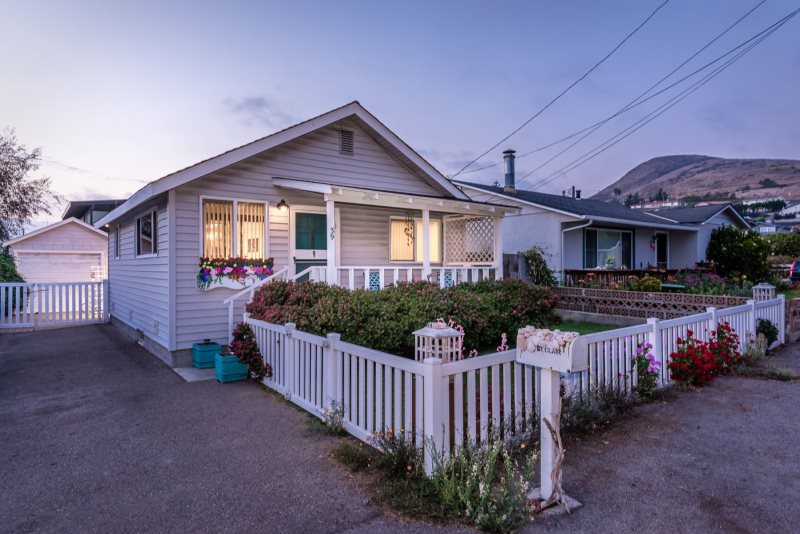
(121, 93)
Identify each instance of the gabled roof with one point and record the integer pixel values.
(583, 208)
(700, 214)
(354, 110)
(50, 227)
(76, 208)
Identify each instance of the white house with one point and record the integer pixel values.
(578, 234)
(338, 198)
(67, 251)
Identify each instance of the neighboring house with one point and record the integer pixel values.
(769, 228)
(793, 209)
(338, 198)
(580, 233)
(705, 219)
(66, 251)
(90, 211)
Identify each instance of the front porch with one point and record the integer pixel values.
(359, 238)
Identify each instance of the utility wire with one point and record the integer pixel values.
(562, 93)
(633, 103)
(660, 110)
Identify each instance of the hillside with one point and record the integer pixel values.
(706, 177)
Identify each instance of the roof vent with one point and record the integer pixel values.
(346, 141)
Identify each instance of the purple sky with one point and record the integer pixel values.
(120, 93)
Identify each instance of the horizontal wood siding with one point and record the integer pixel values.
(315, 157)
(138, 287)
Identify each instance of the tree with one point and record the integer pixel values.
(660, 195)
(617, 191)
(633, 199)
(21, 196)
(8, 268)
(739, 253)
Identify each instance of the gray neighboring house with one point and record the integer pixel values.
(579, 234)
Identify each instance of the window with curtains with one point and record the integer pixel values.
(221, 218)
(409, 248)
(608, 248)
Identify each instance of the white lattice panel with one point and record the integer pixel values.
(469, 240)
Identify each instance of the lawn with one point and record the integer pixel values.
(581, 327)
(790, 293)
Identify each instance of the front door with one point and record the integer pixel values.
(310, 245)
(662, 254)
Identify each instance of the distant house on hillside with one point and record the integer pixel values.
(585, 234)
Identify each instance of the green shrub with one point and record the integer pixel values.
(739, 254)
(8, 267)
(647, 283)
(537, 270)
(785, 245)
(384, 320)
(768, 329)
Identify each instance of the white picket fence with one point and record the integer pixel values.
(26, 306)
(464, 400)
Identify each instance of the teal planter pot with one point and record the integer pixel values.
(203, 354)
(228, 368)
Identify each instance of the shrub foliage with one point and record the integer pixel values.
(246, 349)
(8, 267)
(739, 253)
(384, 320)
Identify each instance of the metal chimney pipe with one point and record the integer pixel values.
(508, 159)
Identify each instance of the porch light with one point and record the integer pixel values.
(283, 206)
(438, 340)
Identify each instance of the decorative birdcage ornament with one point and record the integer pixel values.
(438, 340)
(409, 227)
(763, 291)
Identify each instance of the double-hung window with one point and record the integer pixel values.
(147, 234)
(406, 240)
(234, 228)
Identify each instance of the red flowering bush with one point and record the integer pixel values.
(696, 362)
(724, 345)
(244, 346)
(384, 320)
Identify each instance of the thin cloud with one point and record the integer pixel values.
(258, 110)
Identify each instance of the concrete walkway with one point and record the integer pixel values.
(98, 436)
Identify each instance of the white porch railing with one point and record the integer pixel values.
(448, 404)
(250, 291)
(26, 306)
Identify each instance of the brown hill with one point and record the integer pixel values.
(709, 178)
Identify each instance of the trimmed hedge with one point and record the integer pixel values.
(384, 320)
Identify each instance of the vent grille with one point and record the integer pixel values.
(346, 141)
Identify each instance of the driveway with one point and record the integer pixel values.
(98, 435)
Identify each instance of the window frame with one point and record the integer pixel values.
(415, 260)
(607, 229)
(153, 213)
(235, 221)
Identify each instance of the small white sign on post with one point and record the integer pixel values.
(555, 352)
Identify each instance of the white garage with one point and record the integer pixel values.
(67, 251)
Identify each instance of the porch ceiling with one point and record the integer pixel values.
(390, 199)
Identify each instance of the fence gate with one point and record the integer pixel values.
(28, 306)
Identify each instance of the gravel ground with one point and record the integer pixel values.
(98, 435)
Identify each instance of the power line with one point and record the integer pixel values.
(636, 101)
(660, 110)
(562, 93)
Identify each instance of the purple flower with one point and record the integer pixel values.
(639, 350)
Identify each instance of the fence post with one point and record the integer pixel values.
(105, 300)
(782, 321)
(37, 317)
(290, 362)
(331, 392)
(712, 322)
(654, 338)
(752, 319)
(433, 424)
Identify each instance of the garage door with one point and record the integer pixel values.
(38, 267)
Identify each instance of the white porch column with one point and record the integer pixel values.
(498, 247)
(331, 230)
(426, 243)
